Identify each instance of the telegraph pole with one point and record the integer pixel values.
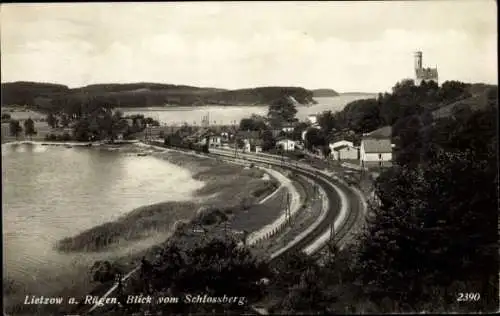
(288, 212)
(235, 146)
(331, 242)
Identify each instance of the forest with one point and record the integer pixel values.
(48, 97)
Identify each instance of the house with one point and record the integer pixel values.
(247, 147)
(286, 144)
(312, 119)
(252, 145)
(345, 152)
(375, 152)
(225, 136)
(248, 136)
(213, 140)
(340, 143)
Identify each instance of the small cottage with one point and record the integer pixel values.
(375, 152)
(286, 144)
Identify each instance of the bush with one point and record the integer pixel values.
(104, 271)
(211, 217)
(55, 137)
(50, 137)
(65, 137)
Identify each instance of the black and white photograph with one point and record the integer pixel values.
(249, 158)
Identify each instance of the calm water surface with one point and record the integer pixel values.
(49, 193)
(229, 114)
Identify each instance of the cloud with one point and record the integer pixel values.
(341, 45)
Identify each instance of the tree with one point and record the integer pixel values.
(453, 90)
(315, 138)
(282, 111)
(15, 128)
(29, 128)
(428, 210)
(104, 271)
(240, 143)
(327, 121)
(215, 268)
(298, 281)
(252, 124)
(6, 116)
(326, 151)
(52, 120)
(298, 130)
(65, 120)
(268, 141)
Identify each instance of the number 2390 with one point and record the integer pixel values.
(468, 297)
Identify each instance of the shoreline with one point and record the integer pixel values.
(66, 143)
(224, 182)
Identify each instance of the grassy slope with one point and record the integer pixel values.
(228, 188)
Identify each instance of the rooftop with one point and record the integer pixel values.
(342, 147)
(372, 145)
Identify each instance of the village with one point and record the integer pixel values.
(367, 151)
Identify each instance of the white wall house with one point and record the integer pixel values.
(345, 152)
(340, 143)
(286, 144)
(252, 145)
(246, 146)
(313, 119)
(213, 141)
(375, 152)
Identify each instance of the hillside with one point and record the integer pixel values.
(481, 94)
(45, 96)
(258, 96)
(321, 93)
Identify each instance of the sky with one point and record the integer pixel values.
(345, 46)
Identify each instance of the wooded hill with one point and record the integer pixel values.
(321, 93)
(46, 96)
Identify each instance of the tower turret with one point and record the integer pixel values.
(418, 60)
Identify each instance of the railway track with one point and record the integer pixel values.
(353, 214)
(355, 207)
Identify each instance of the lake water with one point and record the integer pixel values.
(49, 193)
(228, 115)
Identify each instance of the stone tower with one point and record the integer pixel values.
(418, 60)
